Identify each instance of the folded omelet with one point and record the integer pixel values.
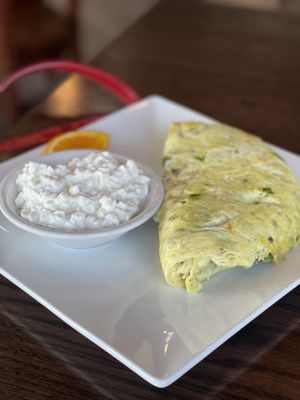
(230, 201)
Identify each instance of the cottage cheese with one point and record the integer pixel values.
(95, 191)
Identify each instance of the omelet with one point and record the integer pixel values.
(230, 201)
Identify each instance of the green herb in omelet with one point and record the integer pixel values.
(268, 190)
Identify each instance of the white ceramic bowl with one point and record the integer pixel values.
(78, 239)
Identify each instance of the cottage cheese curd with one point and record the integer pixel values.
(95, 191)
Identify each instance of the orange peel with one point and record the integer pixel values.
(79, 139)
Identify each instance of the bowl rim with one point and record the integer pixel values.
(151, 203)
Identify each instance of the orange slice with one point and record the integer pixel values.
(77, 140)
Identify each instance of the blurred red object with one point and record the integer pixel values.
(120, 89)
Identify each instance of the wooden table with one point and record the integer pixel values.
(241, 67)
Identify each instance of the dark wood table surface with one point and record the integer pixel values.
(241, 67)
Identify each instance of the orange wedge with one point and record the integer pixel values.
(77, 140)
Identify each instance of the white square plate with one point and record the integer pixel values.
(116, 296)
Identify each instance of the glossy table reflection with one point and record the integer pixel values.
(238, 66)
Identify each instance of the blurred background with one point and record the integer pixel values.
(35, 30)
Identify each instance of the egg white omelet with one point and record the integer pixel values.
(230, 201)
